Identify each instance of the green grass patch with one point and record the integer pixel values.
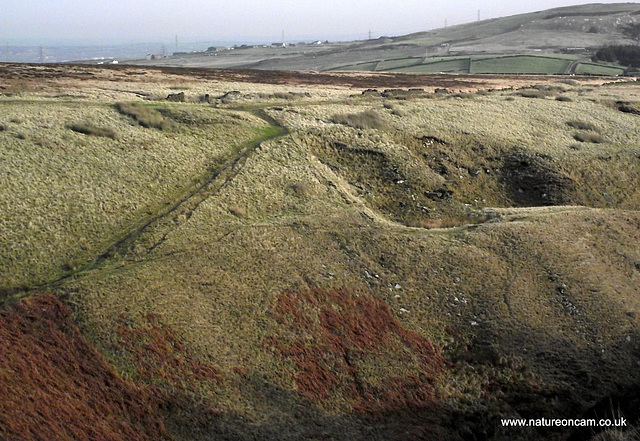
(396, 64)
(364, 67)
(520, 64)
(456, 65)
(599, 69)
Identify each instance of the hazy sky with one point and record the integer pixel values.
(119, 21)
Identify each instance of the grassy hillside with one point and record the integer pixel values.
(305, 260)
(549, 35)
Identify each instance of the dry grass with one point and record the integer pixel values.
(144, 115)
(452, 222)
(368, 119)
(581, 125)
(98, 188)
(589, 137)
(159, 355)
(534, 93)
(89, 128)
(238, 211)
(240, 291)
(55, 386)
(338, 335)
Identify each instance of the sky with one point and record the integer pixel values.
(48, 22)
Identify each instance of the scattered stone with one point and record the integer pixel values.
(232, 95)
(568, 306)
(440, 193)
(431, 140)
(371, 92)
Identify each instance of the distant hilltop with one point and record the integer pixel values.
(554, 41)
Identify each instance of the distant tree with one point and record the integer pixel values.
(626, 55)
(605, 54)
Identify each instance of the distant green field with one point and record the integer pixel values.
(454, 65)
(397, 64)
(549, 64)
(525, 64)
(363, 67)
(598, 69)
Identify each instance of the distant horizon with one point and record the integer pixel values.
(171, 42)
(32, 24)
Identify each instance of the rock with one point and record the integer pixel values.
(626, 107)
(232, 95)
(431, 140)
(371, 92)
(177, 97)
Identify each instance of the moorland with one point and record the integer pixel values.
(197, 254)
